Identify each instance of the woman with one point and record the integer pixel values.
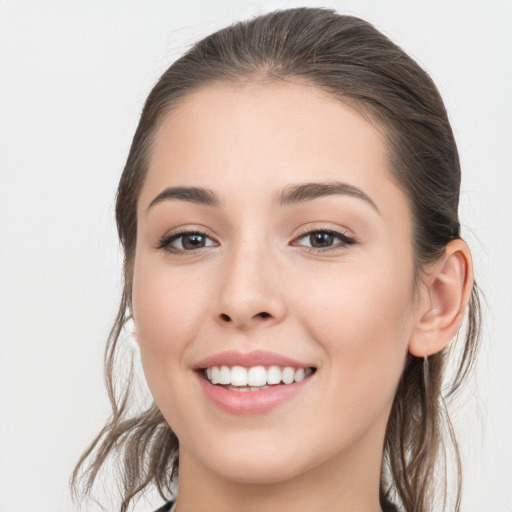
(295, 274)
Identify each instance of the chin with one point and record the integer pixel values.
(256, 472)
(264, 461)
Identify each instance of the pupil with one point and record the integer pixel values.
(321, 239)
(193, 241)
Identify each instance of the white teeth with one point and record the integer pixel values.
(224, 375)
(247, 388)
(288, 375)
(238, 376)
(274, 375)
(300, 373)
(255, 378)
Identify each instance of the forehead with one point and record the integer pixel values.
(251, 137)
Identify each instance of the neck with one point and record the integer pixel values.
(349, 482)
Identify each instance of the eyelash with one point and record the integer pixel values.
(345, 240)
(166, 240)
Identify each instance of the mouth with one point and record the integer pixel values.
(254, 378)
(248, 383)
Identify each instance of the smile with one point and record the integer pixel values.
(256, 382)
(255, 378)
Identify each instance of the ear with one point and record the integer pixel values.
(134, 342)
(132, 329)
(443, 299)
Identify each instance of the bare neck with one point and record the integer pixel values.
(343, 484)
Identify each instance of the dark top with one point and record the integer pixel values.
(386, 507)
(166, 507)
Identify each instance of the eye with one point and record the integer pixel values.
(185, 241)
(324, 240)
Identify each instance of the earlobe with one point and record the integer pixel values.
(132, 329)
(445, 296)
(134, 342)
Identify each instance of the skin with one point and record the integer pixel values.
(352, 312)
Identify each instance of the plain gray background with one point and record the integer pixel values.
(73, 76)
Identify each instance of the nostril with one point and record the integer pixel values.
(264, 314)
(225, 317)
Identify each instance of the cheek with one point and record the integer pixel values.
(167, 313)
(362, 318)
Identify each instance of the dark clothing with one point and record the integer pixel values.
(386, 507)
(166, 507)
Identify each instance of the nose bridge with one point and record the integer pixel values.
(250, 292)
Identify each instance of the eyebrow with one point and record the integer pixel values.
(197, 195)
(291, 194)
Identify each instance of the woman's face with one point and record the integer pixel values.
(298, 255)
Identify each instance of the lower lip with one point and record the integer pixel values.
(251, 402)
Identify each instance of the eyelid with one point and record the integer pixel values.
(322, 228)
(345, 239)
(164, 242)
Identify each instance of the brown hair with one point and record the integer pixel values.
(351, 60)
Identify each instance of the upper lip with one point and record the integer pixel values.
(249, 359)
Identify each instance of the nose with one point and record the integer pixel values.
(251, 291)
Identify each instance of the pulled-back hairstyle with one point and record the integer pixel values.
(352, 61)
